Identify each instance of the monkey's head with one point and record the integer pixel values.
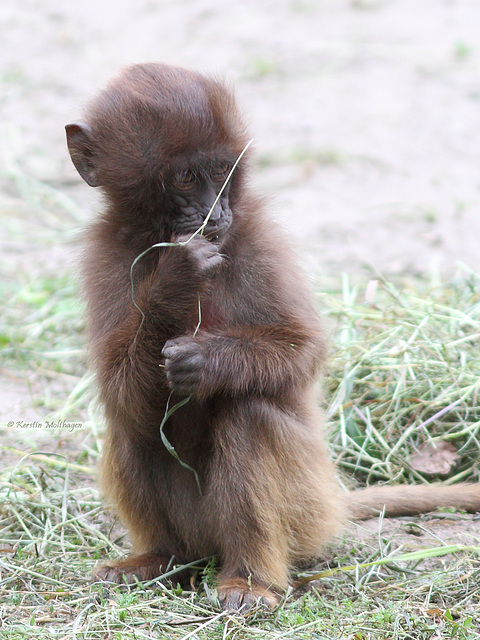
(160, 142)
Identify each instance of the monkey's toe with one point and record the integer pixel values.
(238, 596)
(144, 567)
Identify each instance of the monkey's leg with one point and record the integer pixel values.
(248, 508)
(133, 480)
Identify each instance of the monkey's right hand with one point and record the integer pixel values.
(204, 254)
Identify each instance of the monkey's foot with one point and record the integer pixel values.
(237, 595)
(143, 567)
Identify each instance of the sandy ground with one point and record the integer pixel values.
(366, 114)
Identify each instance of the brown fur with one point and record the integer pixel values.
(412, 500)
(251, 429)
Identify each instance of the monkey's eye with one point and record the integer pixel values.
(221, 171)
(184, 180)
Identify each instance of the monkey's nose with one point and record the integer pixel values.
(214, 214)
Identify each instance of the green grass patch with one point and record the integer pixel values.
(404, 372)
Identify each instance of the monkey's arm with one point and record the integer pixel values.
(271, 360)
(128, 330)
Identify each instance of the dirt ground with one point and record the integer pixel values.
(365, 113)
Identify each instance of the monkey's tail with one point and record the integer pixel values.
(411, 500)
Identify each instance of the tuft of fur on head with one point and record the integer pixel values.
(153, 117)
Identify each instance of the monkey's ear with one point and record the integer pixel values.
(81, 145)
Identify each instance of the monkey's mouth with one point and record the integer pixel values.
(215, 235)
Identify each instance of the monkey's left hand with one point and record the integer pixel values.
(184, 365)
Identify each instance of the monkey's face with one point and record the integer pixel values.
(200, 196)
(161, 142)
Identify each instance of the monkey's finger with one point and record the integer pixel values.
(211, 264)
(170, 350)
(174, 346)
(215, 260)
(174, 353)
(185, 367)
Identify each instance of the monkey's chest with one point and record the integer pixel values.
(211, 314)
